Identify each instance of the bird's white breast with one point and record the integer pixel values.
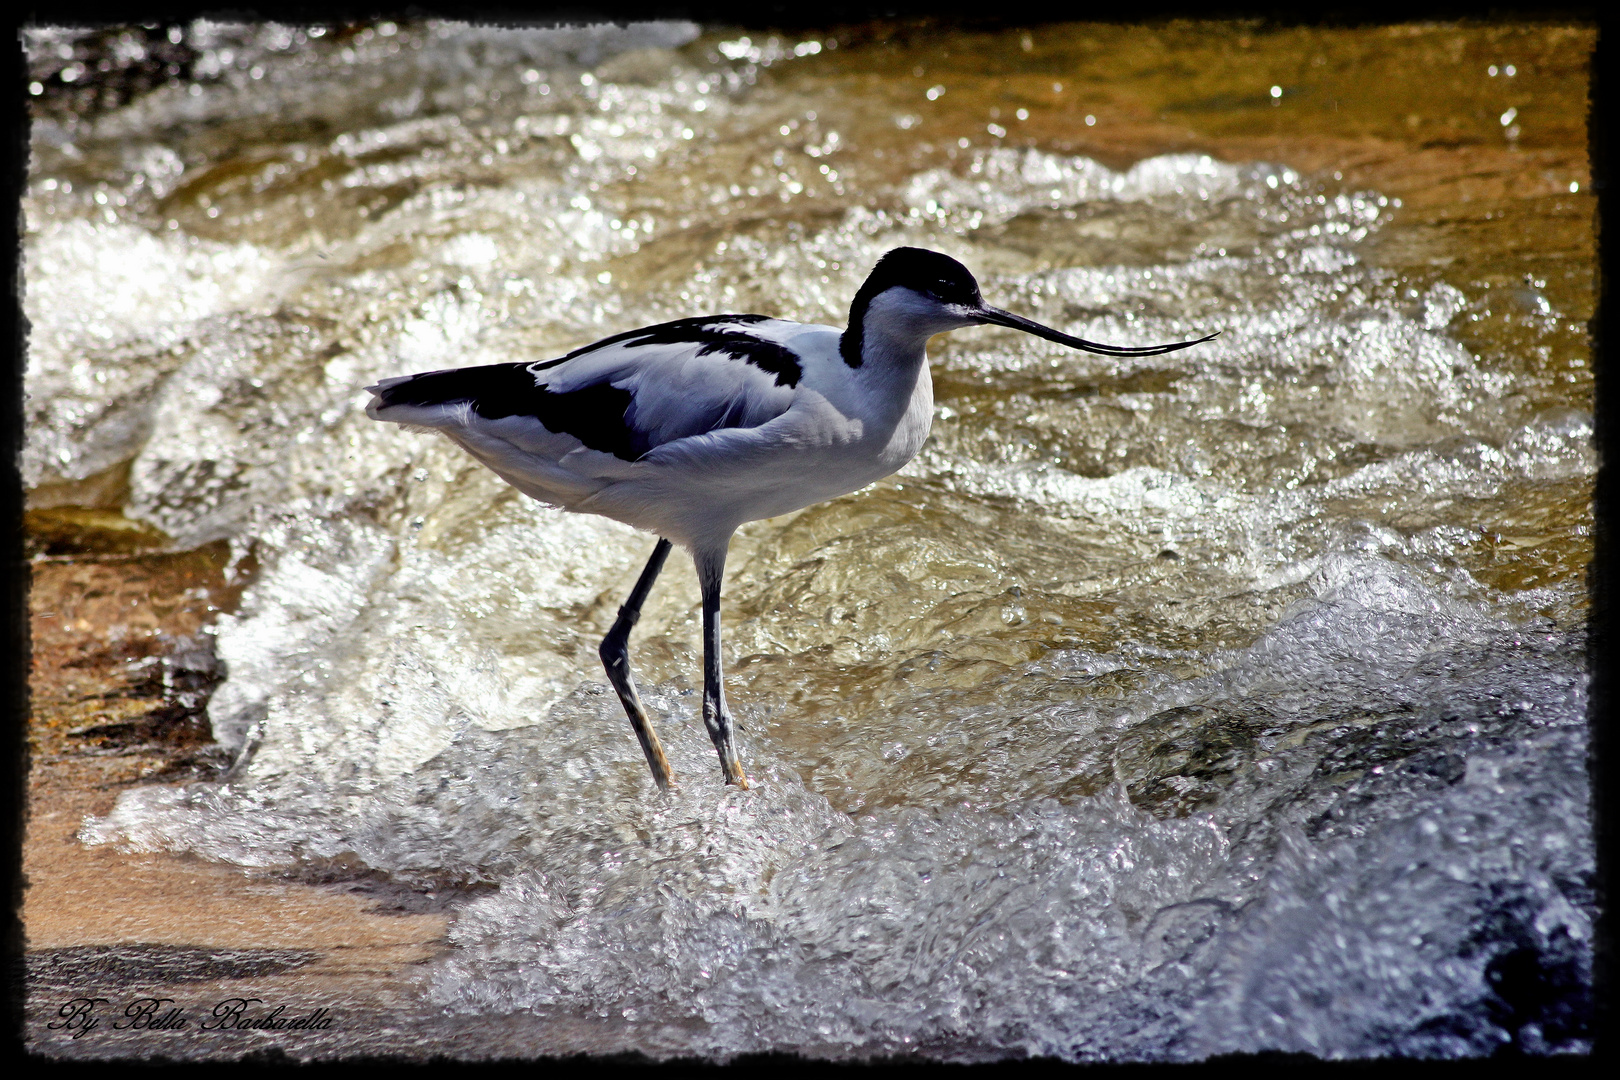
(853, 425)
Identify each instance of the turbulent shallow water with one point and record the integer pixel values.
(1227, 700)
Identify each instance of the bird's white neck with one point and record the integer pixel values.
(893, 341)
(895, 395)
(895, 327)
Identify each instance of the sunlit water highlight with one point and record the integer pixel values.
(1161, 708)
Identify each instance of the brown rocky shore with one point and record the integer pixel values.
(122, 666)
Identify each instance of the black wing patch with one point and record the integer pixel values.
(597, 415)
(592, 414)
(712, 334)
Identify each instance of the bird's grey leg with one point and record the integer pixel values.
(615, 653)
(716, 717)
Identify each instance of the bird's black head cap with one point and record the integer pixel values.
(918, 269)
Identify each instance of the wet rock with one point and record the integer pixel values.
(85, 530)
(103, 968)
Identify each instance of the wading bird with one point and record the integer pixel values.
(690, 428)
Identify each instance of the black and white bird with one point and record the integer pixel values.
(690, 428)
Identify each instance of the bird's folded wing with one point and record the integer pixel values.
(624, 396)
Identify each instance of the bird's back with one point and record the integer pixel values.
(561, 430)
